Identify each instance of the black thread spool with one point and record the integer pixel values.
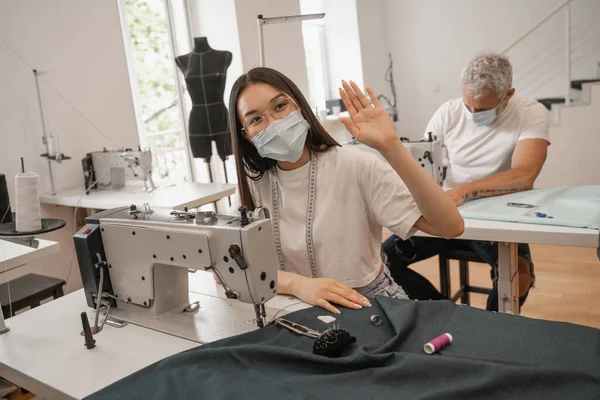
(5, 210)
(333, 342)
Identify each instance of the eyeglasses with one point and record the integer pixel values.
(278, 108)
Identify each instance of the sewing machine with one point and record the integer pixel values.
(140, 259)
(106, 169)
(428, 153)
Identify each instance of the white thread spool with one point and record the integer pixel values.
(28, 214)
(53, 150)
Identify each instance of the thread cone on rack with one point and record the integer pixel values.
(52, 146)
(28, 213)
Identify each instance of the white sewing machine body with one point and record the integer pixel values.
(429, 154)
(106, 169)
(143, 259)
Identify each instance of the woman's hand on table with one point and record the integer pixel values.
(322, 292)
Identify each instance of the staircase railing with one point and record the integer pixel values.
(565, 5)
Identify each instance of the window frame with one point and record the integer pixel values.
(180, 93)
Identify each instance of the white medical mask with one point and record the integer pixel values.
(284, 139)
(483, 118)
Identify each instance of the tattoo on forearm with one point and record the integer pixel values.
(475, 194)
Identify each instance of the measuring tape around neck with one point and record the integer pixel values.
(310, 211)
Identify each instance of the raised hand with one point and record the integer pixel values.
(369, 123)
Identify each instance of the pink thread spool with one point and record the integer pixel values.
(437, 344)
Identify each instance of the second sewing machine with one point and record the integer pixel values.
(106, 169)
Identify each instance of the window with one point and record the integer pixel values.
(158, 101)
(316, 63)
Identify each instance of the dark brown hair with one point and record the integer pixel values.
(249, 163)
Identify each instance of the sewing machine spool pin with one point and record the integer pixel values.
(90, 342)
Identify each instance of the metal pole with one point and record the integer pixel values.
(189, 24)
(210, 176)
(226, 179)
(261, 42)
(45, 137)
(508, 278)
(568, 54)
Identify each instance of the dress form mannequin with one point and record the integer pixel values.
(205, 72)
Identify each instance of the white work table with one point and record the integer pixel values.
(44, 352)
(191, 195)
(511, 234)
(14, 255)
(498, 231)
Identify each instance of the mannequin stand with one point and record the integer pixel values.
(226, 178)
(210, 175)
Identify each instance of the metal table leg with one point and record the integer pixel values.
(3, 327)
(508, 278)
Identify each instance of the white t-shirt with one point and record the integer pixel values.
(476, 152)
(356, 194)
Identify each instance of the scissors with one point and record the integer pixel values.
(297, 328)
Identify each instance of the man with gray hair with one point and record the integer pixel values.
(496, 144)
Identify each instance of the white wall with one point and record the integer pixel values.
(284, 46)
(80, 41)
(432, 40)
(343, 44)
(374, 44)
(573, 156)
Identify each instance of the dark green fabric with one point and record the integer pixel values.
(493, 356)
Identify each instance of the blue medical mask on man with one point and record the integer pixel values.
(284, 139)
(483, 118)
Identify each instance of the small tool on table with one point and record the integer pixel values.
(297, 328)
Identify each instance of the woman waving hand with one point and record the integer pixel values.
(328, 203)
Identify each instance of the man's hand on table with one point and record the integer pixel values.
(457, 195)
